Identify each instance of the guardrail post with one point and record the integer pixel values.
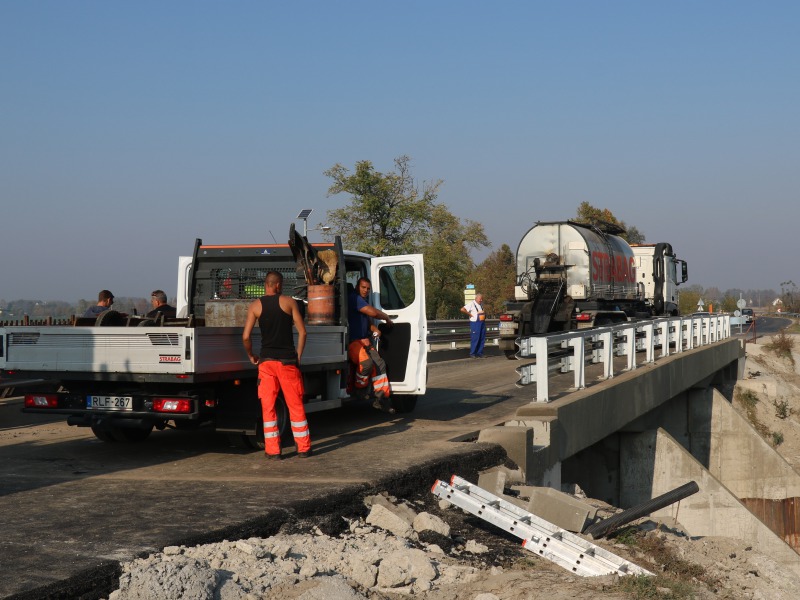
(535, 347)
(649, 343)
(627, 347)
(577, 360)
(606, 353)
(663, 336)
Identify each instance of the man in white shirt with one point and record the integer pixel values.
(477, 325)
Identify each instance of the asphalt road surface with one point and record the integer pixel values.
(72, 506)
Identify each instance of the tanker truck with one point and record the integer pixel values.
(572, 275)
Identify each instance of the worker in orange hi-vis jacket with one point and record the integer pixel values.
(361, 351)
(278, 363)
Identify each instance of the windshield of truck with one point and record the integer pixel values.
(673, 272)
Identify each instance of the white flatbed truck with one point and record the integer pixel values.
(124, 376)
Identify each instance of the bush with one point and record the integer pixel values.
(782, 409)
(748, 398)
(782, 346)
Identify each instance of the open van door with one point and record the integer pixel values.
(398, 289)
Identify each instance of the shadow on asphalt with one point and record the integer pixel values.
(36, 463)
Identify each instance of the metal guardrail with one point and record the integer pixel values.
(454, 333)
(571, 351)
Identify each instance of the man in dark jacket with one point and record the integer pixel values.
(160, 306)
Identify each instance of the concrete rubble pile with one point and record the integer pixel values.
(379, 554)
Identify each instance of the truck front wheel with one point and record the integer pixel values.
(404, 404)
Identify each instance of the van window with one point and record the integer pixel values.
(397, 286)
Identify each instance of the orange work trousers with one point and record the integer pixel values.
(368, 365)
(274, 376)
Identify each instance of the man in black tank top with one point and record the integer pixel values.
(278, 363)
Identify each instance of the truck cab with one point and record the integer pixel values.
(659, 274)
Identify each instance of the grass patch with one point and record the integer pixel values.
(676, 574)
(782, 346)
(641, 587)
(782, 409)
(749, 399)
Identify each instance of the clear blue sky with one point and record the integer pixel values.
(129, 129)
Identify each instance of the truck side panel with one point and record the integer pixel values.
(149, 350)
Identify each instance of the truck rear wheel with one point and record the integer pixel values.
(111, 434)
(125, 434)
(284, 431)
(103, 434)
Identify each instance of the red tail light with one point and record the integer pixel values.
(41, 401)
(172, 405)
(583, 317)
(506, 318)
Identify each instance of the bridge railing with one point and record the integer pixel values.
(454, 333)
(571, 351)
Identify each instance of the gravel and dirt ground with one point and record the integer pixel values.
(455, 556)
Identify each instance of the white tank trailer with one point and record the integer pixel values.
(571, 275)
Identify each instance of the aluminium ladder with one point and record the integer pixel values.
(541, 537)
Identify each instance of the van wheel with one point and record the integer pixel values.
(404, 404)
(284, 431)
